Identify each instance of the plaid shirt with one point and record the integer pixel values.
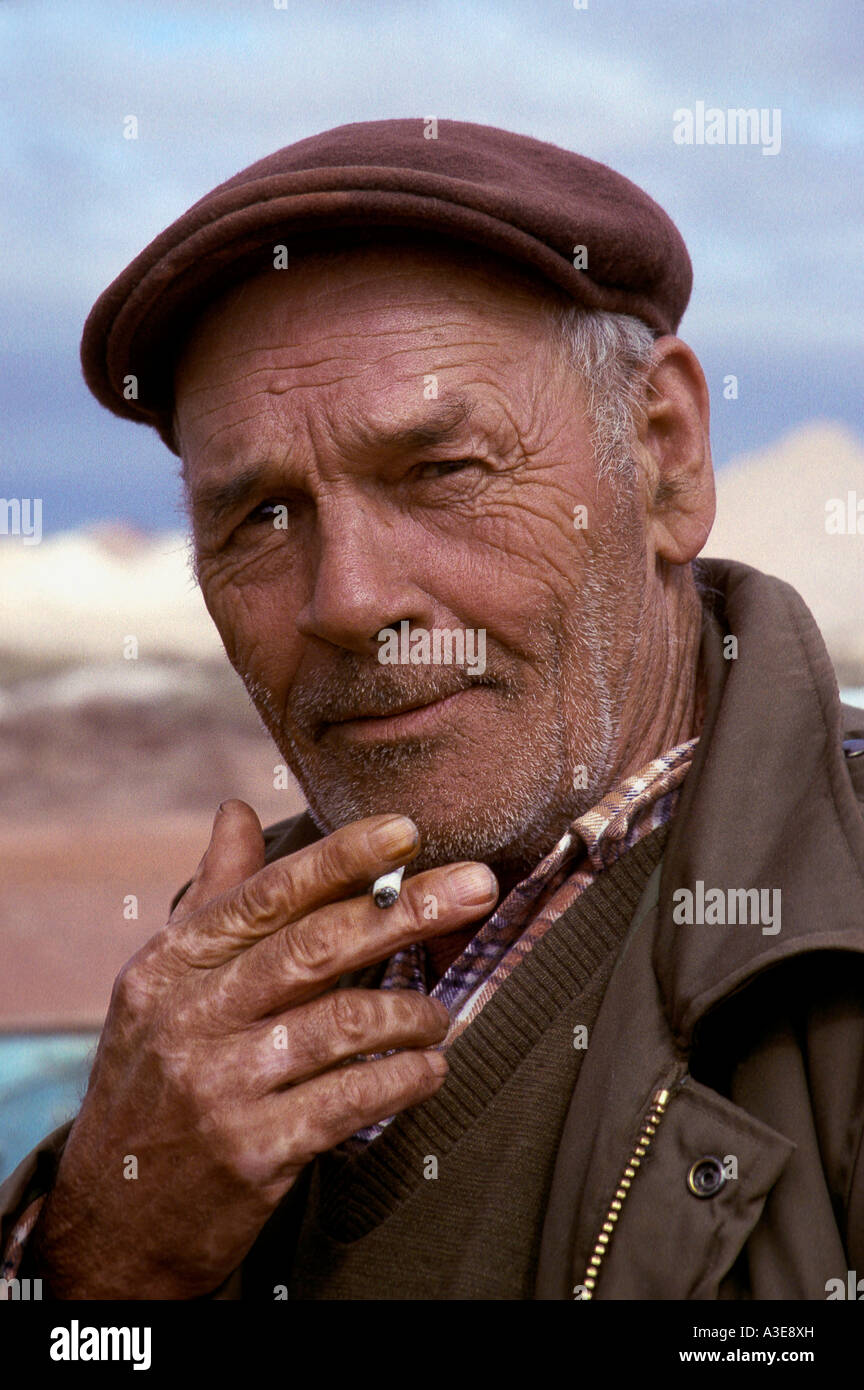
(593, 842)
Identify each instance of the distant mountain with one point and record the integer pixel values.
(772, 508)
(77, 597)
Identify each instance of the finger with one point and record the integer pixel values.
(288, 889)
(337, 1026)
(235, 851)
(290, 966)
(292, 1126)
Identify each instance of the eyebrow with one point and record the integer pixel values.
(444, 419)
(218, 499)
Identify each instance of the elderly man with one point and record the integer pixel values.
(448, 472)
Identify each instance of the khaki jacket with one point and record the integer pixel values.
(725, 1058)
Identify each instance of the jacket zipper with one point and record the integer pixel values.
(659, 1102)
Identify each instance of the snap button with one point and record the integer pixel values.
(706, 1177)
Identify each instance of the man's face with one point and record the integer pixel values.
(386, 436)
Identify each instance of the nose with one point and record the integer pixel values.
(363, 580)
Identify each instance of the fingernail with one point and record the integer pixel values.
(474, 883)
(394, 837)
(437, 1062)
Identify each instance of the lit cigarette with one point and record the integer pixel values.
(386, 889)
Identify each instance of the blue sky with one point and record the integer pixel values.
(775, 240)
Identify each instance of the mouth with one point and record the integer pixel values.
(411, 719)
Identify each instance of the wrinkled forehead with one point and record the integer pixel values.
(373, 306)
(376, 277)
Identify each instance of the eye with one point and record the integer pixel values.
(441, 467)
(268, 512)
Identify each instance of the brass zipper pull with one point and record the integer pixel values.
(659, 1102)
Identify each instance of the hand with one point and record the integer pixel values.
(224, 1064)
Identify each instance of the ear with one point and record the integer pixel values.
(675, 447)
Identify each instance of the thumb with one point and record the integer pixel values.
(235, 851)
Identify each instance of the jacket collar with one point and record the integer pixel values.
(767, 803)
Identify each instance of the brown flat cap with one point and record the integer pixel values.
(522, 198)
